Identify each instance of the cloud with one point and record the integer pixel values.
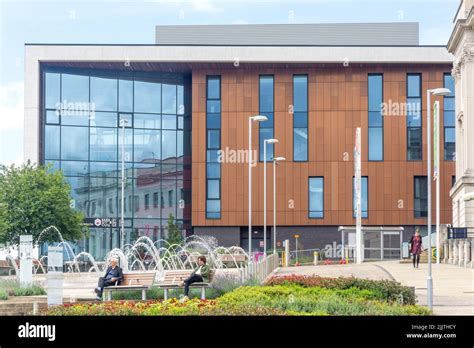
(209, 6)
(205, 6)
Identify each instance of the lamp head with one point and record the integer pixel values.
(278, 159)
(271, 141)
(259, 118)
(440, 92)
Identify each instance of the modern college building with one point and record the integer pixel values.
(187, 102)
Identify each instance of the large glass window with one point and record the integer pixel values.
(420, 197)
(414, 118)
(74, 143)
(52, 90)
(300, 118)
(364, 197)
(103, 94)
(266, 90)
(103, 144)
(147, 145)
(316, 197)
(83, 138)
(169, 99)
(126, 95)
(213, 144)
(375, 99)
(147, 97)
(449, 120)
(74, 88)
(51, 146)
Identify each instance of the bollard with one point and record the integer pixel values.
(316, 258)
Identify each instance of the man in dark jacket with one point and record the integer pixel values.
(113, 275)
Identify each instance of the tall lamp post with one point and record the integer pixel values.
(265, 143)
(275, 162)
(436, 92)
(257, 118)
(123, 122)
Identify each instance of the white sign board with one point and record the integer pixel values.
(26, 262)
(55, 257)
(26, 247)
(55, 288)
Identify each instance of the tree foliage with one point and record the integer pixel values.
(33, 198)
(174, 233)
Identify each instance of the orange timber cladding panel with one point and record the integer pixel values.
(337, 105)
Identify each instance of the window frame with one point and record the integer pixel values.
(309, 199)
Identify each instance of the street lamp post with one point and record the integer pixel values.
(123, 122)
(435, 92)
(265, 142)
(257, 118)
(275, 160)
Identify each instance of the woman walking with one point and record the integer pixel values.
(416, 247)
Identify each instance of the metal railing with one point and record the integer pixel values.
(259, 270)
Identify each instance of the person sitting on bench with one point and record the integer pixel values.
(112, 274)
(200, 274)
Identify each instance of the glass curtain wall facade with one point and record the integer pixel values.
(82, 136)
(449, 120)
(316, 197)
(375, 99)
(300, 118)
(266, 108)
(420, 197)
(414, 118)
(213, 145)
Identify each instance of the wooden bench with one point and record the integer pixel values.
(172, 280)
(132, 281)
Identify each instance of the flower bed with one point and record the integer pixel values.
(168, 307)
(387, 290)
(283, 299)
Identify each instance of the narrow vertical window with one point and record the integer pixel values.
(420, 197)
(414, 118)
(213, 144)
(364, 197)
(316, 197)
(375, 99)
(300, 118)
(449, 120)
(266, 129)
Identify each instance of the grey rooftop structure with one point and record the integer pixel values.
(321, 34)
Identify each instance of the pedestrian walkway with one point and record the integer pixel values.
(453, 285)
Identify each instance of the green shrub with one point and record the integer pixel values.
(388, 290)
(3, 295)
(13, 288)
(225, 282)
(33, 290)
(296, 299)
